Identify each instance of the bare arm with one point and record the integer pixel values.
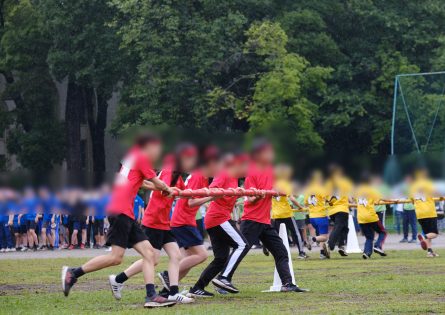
(199, 201)
(295, 202)
(148, 185)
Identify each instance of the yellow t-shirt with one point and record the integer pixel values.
(421, 191)
(367, 196)
(315, 199)
(339, 191)
(280, 205)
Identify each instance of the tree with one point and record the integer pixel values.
(85, 50)
(35, 132)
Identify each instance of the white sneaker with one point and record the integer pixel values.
(3, 250)
(7, 250)
(12, 249)
(179, 298)
(116, 287)
(24, 249)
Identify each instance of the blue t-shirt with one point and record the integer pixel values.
(30, 206)
(101, 206)
(48, 206)
(138, 202)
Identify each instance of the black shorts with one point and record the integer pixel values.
(46, 225)
(429, 225)
(98, 227)
(158, 238)
(79, 225)
(31, 225)
(22, 229)
(187, 236)
(124, 232)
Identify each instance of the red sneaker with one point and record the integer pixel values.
(71, 247)
(82, 246)
(422, 242)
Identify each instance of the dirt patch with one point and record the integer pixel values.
(87, 286)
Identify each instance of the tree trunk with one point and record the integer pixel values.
(73, 119)
(97, 122)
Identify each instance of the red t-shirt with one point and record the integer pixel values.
(259, 179)
(183, 214)
(220, 209)
(135, 168)
(157, 212)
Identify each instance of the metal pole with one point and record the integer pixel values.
(394, 105)
(419, 74)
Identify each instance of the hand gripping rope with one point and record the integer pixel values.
(380, 203)
(219, 192)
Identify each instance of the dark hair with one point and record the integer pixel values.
(178, 171)
(145, 138)
(259, 145)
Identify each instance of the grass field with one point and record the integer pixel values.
(404, 282)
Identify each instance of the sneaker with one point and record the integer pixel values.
(68, 279)
(413, 241)
(12, 249)
(2, 250)
(404, 240)
(82, 246)
(7, 250)
(221, 291)
(265, 251)
(323, 257)
(116, 287)
(365, 256)
(430, 255)
(224, 284)
(199, 293)
(157, 301)
(24, 249)
(40, 247)
(326, 250)
(435, 254)
(289, 287)
(64, 246)
(71, 247)
(302, 256)
(165, 280)
(308, 245)
(380, 251)
(423, 243)
(179, 298)
(342, 251)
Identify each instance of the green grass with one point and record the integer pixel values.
(404, 282)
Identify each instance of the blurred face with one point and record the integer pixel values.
(188, 163)
(242, 169)
(266, 156)
(153, 151)
(213, 167)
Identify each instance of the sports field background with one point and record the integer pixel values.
(404, 282)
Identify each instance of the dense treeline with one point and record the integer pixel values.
(318, 74)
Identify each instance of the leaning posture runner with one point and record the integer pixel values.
(255, 222)
(315, 199)
(339, 193)
(421, 192)
(124, 232)
(222, 230)
(368, 219)
(281, 209)
(183, 223)
(156, 225)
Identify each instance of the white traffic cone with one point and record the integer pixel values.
(352, 246)
(276, 287)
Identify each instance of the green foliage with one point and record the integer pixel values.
(319, 75)
(37, 138)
